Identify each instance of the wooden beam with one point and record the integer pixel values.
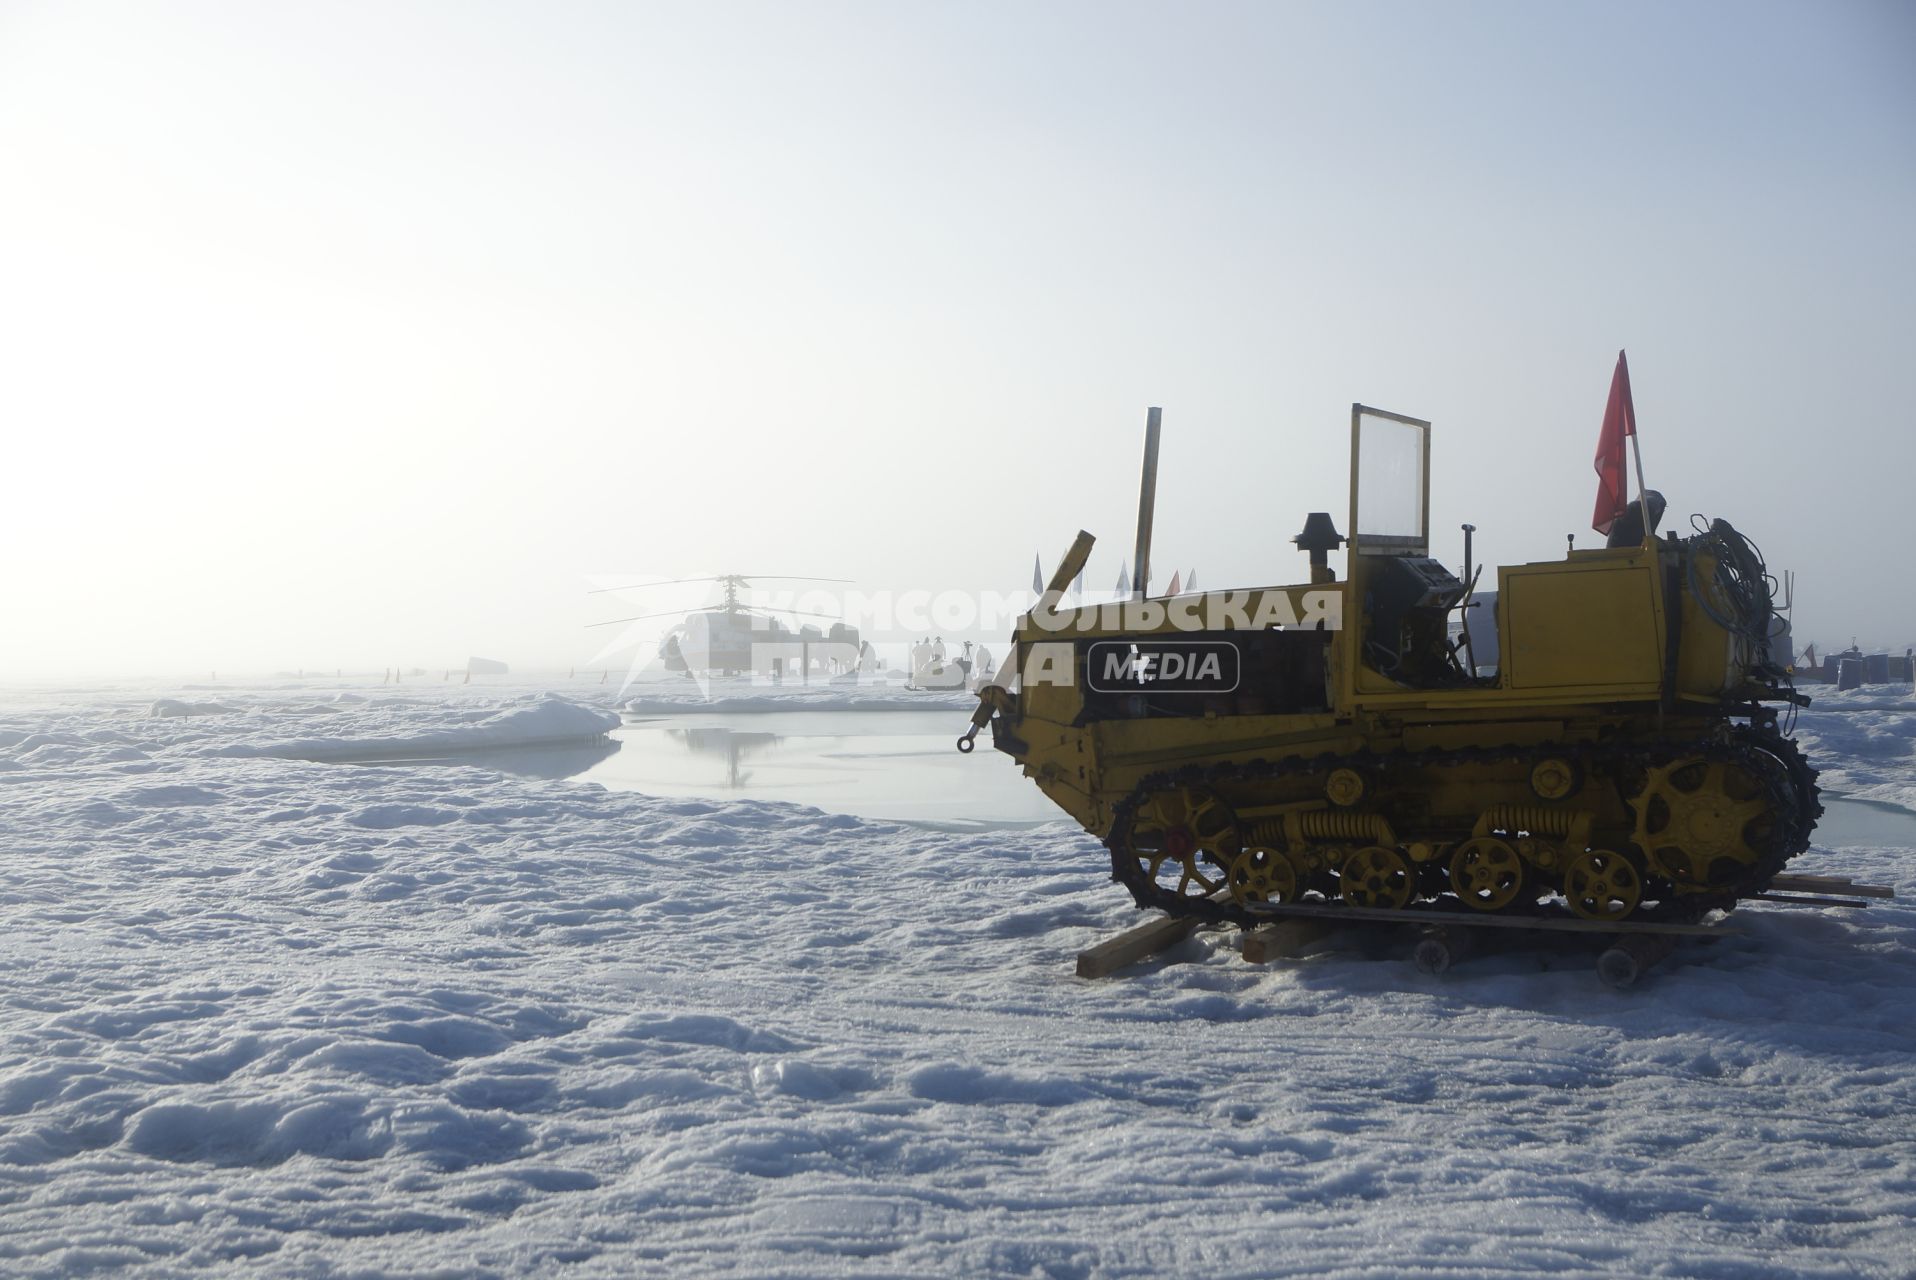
(1632, 955)
(1796, 900)
(1833, 884)
(1443, 946)
(1134, 945)
(1481, 919)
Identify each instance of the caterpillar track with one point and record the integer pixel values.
(1178, 845)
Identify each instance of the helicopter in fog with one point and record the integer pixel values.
(731, 638)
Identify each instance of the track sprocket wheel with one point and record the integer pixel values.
(1601, 885)
(1263, 874)
(1376, 876)
(1487, 874)
(1703, 823)
(1184, 839)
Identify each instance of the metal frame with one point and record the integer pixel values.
(1375, 544)
(1351, 642)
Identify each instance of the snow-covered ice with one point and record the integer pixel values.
(1865, 740)
(280, 1015)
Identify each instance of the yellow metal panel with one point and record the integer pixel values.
(1057, 703)
(1580, 625)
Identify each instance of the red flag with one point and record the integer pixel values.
(1619, 420)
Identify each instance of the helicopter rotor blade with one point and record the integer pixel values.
(599, 591)
(832, 617)
(718, 577)
(786, 577)
(686, 613)
(667, 613)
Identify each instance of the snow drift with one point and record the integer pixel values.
(549, 722)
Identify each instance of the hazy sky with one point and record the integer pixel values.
(346, 334)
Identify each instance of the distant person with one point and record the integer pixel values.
(920, 660)
(938, 649)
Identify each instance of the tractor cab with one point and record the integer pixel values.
(1609, 625)
(1401, 598)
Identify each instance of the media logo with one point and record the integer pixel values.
(1162, 666)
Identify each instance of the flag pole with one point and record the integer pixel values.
(1643, 494)
(1636, 452)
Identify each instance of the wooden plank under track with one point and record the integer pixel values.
(1134, 945)
(1484, 919)
(1799, 900)
(1159, 935)
(1841, 885)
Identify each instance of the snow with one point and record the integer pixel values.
(1865, 742)
(306, 725)
(279, 1015)
(546, 722)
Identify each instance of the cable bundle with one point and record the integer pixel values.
(1742, 583)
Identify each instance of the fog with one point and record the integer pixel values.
(347, 335)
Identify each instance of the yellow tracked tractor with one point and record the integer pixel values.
(1337, 741)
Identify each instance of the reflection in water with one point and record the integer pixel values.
(716, 740)
(891, 765)
(549, 762)
(524, 762)
(898, 765)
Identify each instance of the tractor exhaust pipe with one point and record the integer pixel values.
(1147, 503)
